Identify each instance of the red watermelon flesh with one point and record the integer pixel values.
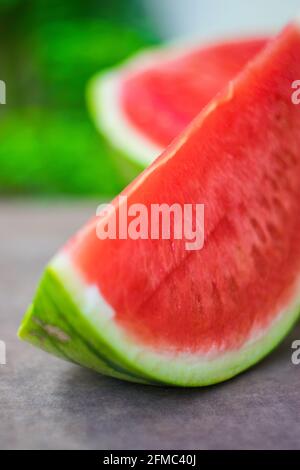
(161, 99)
(242, 161)
(197, 317)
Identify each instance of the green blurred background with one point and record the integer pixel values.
(49, 49)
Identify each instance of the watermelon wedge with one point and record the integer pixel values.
(149, 310)
(141, 106)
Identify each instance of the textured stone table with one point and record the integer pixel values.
(47, 403)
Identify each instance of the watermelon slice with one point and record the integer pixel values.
(140, 107)
(149, 310)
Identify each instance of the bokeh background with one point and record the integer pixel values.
(49, 49)
(54, 171)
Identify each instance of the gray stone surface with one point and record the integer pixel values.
(47, 403)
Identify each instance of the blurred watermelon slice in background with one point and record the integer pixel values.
(143, 105)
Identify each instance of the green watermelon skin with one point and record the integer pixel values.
(132, 309)
(62, 331)
(55, 324)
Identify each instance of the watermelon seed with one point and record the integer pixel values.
(278, 204)
(258, 230)
(265, 203)
(292, 158)
(283, 163)
(284, 182)
(273, 182)
(258, 260)
(273, 230)
(217, 298)
(233, 286)
(199, 303)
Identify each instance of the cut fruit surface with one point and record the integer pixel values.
(151, 311)
(143, 105)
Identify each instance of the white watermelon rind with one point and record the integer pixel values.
(59, 322)
(110, 120)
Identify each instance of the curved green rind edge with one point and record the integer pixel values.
(55, 323)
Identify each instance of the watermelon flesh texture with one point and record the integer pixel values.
(141, 106)
(151, 311)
